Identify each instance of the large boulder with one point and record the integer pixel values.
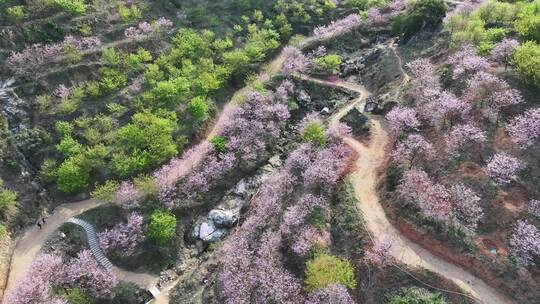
(223, 218)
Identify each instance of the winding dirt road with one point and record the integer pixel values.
(372, 158)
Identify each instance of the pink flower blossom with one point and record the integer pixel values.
(127, 196)
(465, 62)
(525, 242)
(413, 147)
(524, 130)
(338, 27)
(503, 50)
(503, 168)
(380, 254)
(461, 135)
(123, 237)
(294, 61)
(402, 119)
(331, 294)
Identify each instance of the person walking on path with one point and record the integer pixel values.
(39, 225)
(43, 220)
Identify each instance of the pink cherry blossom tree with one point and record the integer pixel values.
(338, 27)
(331, 294)
(525, 242)
(401, 119)
(85, 272)
(524, 130)
(462, 135)
(123, 237)
(445, 110)
(465, 62)
(44, 273)
(503, 51)
(380, 254)
(295, 61)
(503, 168)
(415, 147)
(127, 196)
(534, 208)
(467, 211)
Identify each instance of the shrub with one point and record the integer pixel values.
(16, 12)
(106, 192)
(415, 295)
(48, 172)
(198, 108)
(74, 7)
(129, 14)
(328, 64)
(73, 175)
(528, 24)
(527, 60)
(162, 227)
(145, 184)
(324, 270)
(7, 197)
(219, 143)
(77, 296)
(314, 132)
(3, 232)
(111, 79)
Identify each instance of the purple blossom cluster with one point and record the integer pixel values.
(412, 148)
(338, 27)
(534, 208)
(295, 61)
(123, 237)
(402, 119)
(503, 50)
(37, 54)
(85, 272)
(525, 242)
(127, 195)
(445, 109)
(331, 294)
(458, 205)
(463, 8)
(467, 211)
(497, 92)
(381, 16)
(524, 130)
(503, 168)
(433, 199)
(464, 134)
(466, 62)
(253, 270)
(380, 253)
(145, 28)
(249, 131)
(48, 272)
(62, 91)
(44, 272)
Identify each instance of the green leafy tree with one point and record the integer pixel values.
(74, 7)
(8, 197)
(146, 141)
(526, 62)
(106, 192)
(198, 108)
(325, 269)
(77, 296)
(219, 143)
(16, 13)
(328, 64)
(111, 79)
(73, 175)
(415, 295)
(314, 132)
(162, 227)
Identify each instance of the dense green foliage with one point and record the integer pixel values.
(328, 64)
(162, 227)
(219, 143)
(494, 20)
(527, 62)
(7, 197)
(416, 295)
(424, 13)
(314, 132)
(324, 270)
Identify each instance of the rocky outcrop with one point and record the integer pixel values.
(216, 224)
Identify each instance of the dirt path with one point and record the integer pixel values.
(29, 245)
(365, 177)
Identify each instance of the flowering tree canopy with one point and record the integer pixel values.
(461, 135)
(123, 237)
(380, 253)
(402, 119)
(413, 147)
(503, 168)
(466, 62)
(525, 242)
(503, 50)
(338, 27)
(295, 61)
(524, 130)
(331, 294)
